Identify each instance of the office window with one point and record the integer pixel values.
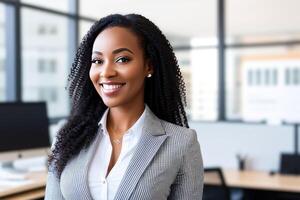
(41, 65)
(296, 76)
(53, 30)
(2, 53)
(46, 65)
(275, 78)
(288, 76)
(48, 94)
(268, 21)
(52, 65)
(84, 26)
(199, 68)
(250, 77)
(41, 29)
(46, 29)
(258, 76)
(60, 5)
(184, 62)
(45, 61)
(267, 77)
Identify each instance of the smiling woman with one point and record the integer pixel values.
(127, 136)
(119, 69)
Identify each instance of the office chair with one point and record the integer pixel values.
(215, 187)
(290, 164)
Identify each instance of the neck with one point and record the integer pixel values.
(120, 119)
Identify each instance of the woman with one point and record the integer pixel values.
(127, 136)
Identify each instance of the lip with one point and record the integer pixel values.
(111, 91)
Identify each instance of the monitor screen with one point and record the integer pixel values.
(23, 126)
(290, 164)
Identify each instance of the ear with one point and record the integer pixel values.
(149, 68)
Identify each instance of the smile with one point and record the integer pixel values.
(111, 89)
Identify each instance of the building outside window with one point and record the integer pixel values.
(46, 80)
(2, 53)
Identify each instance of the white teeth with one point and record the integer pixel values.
(111, 87)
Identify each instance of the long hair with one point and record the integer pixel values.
(164, 91)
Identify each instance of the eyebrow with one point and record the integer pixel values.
(116, 51)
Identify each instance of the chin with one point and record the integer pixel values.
(111, 103)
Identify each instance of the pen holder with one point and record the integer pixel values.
(241, 162)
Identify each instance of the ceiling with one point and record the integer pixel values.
(181, 18)
(198, 18)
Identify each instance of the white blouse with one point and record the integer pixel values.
(105, 188)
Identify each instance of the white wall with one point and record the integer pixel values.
(220, 142)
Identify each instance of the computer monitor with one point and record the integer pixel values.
(23, 127)
(290, 164)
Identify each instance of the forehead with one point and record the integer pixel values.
(116, 37)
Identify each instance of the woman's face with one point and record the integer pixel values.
(118, 67)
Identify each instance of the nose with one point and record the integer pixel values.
(108, 71)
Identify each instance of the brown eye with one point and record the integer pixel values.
(123, 60)
(97, 61)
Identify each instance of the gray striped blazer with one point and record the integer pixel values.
(167, 164)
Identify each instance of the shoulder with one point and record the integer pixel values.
(174, 129)
(178, 134)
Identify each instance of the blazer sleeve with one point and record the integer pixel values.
(188, 183)
(53, 191)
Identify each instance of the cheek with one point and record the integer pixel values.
(136, 73)
(93, 75)
(138, 78)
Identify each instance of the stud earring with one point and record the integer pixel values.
(149, 75)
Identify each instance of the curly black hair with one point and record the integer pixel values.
(164, 91)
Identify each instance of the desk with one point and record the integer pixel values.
(258, 180)
(33, 190)
(236, 179)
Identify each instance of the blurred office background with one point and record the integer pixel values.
(240, 62)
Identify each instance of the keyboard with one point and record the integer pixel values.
(6, 175)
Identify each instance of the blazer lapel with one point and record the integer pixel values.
(152, 138)
(85, 157)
